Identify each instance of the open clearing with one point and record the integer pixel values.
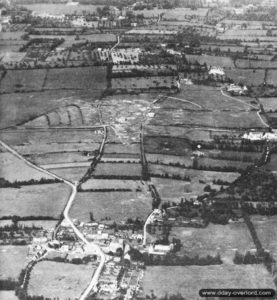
(119, 206)
(72, 278)
(222, 239)
(189, 280)
(36, 200)
(12, 261)
(14, 169)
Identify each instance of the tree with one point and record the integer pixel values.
(91, 217)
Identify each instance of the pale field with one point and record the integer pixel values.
(14, 169)
(189, 280)
(36, 200)
(222, 239)
(118, 169)
(57, 158)
(12, 261)
(214, 119)
(72, 174)
(119, 206)
(45, 224)
(8, 295)
(59, 280)
(112, 184)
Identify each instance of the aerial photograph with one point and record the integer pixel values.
(138, 149)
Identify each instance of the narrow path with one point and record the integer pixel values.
(179, 99)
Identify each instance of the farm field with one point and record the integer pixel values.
(102, 184)
(56, 158)
(189, 280)
(19, 108)
(269, 104)
(134, 83)
(12, 261)
(81, 78)
(204, 176)
(114, 205)
(249, 77)
(14, 169)
(71, 174)
(118, 169)
(271, 77)
(255, 64)
(45, 224)
(49, 136)
(73, 278)
(166, 145)
(210, 60)
(266, 230)
(215, 119)
(55, 150)
(78, 114)
(8, 295)
(23, 81)
(272, 164)
(222, 239)
(178, 132)
(204, 162)
(37, 200)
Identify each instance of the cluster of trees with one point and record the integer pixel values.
(172, 176)
(252, 258)
(17, 184)
(172, 259)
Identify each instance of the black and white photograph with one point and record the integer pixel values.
(138, 149)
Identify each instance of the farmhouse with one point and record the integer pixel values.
(216, 71)
(160, 249)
